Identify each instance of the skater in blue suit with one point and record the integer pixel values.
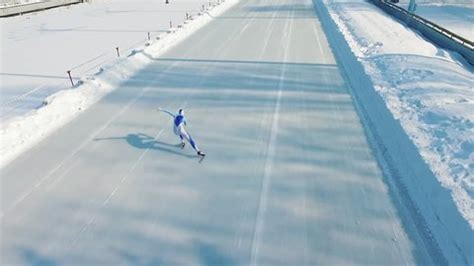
(178, 127)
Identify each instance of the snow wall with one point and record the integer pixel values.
(420, 198)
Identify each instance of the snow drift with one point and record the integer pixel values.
(416, 101)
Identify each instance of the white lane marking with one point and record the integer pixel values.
(320, 47)
(260, 137)
(116, 188)
(69, 157)
(260, 220)
(126, 176)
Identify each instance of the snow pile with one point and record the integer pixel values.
(456, 16)
(428, 89)
(21, 133)
(429, 93)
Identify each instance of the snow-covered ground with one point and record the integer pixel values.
(428, 89)
(37, 49)
(456, 16)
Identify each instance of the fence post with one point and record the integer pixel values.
(148, 35)
(70, 78)
(118, 51)
(171, 24)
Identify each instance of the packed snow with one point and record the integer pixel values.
(79, 38)
(456, 16)
(428, 89)
(20, 133)
(9, 3)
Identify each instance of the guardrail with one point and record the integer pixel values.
(36, 6)
(439, 35)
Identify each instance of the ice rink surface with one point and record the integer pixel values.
(288, 179)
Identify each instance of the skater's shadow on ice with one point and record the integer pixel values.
(143, 141)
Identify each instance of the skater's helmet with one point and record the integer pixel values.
(181, 111)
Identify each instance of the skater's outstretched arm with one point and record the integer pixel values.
(168, 112)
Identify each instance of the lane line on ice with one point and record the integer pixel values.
(260, 136)
(116, 188)
(260, 221)
(65, 160)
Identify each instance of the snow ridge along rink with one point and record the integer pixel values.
(416, 99)
(289, 177)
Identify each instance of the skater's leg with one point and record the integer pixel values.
(193, 143)
(182, 140)
(177, 132)
(189, 139)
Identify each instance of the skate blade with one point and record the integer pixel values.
(202, 158)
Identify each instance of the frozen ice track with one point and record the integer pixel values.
(289, 177)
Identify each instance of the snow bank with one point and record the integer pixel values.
(417, 102)
(456, 18)
(428, 90)
(21, 133)
(454, 15)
